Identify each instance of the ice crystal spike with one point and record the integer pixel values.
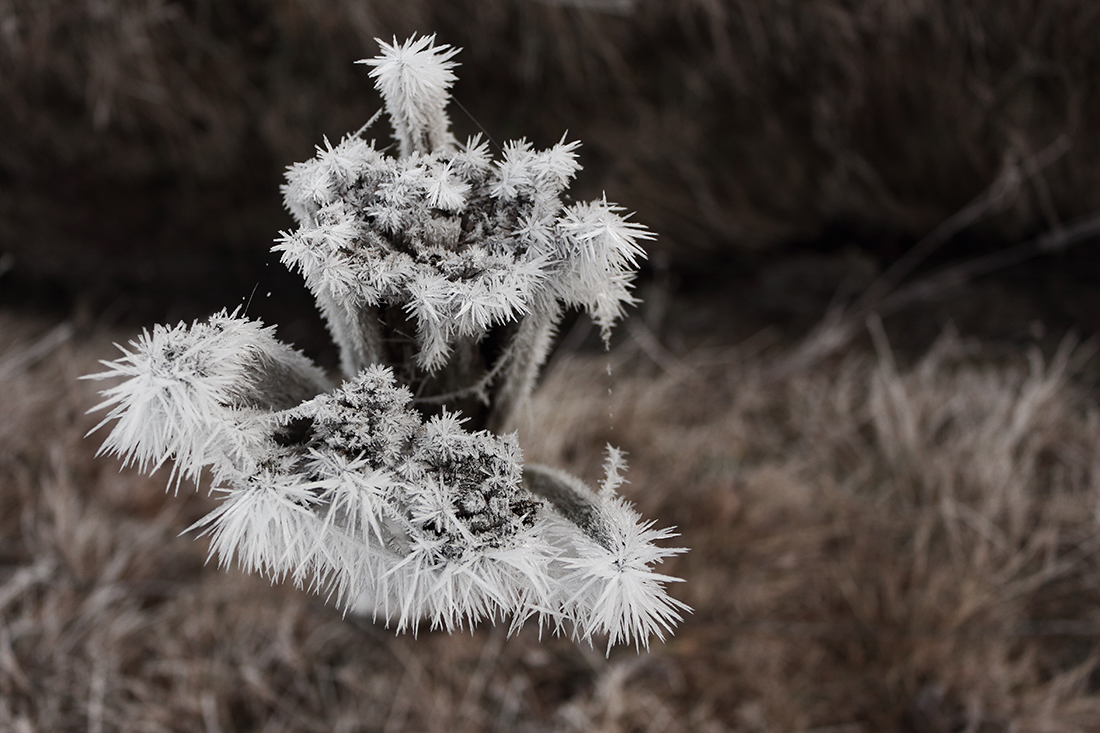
(414, 78)
(442, 274)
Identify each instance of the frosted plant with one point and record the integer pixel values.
(441, 274)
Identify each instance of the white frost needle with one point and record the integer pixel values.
(414, 79)
(360, 492)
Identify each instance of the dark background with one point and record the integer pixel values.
(785, 152)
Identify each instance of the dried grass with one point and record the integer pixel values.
(875, 547)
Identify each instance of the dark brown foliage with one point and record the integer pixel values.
(143, 141)
(875, 546)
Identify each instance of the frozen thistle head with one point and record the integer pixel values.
(442, 274)
(460, 243)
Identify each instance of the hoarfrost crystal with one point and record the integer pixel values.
(441, 273)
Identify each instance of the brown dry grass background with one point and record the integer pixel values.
(875, 547)
(894, 533)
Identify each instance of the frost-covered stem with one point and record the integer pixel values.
(283, 381)
(459, 385)
(486, 379)
(414, 79)
(356, 330)
(527, 351)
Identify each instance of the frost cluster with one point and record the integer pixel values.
(457, 240)
(402, 505)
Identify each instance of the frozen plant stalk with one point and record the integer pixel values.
(441, 274)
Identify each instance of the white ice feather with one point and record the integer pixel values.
(414, 79)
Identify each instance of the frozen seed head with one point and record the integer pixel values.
(461, 242)
(480, 501)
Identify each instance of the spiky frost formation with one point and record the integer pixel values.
(413, 78)
(353, 494)
(363, 493)
(356, 496)
(607, 585)
(197, 392)
(460, 241)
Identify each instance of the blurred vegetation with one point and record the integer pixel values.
(874, 547)
(144, 140)
(884, 536)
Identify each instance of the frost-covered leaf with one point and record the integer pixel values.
(197, 393)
